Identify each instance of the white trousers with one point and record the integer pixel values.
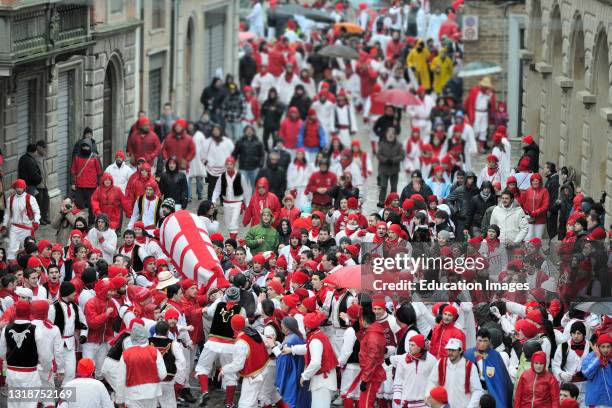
(337, 340)
(481, 125)
(15, 379)
(207, 360)
(535, 231)
(249, 393)
(231, 216)
(69, 369)
(351, 371)
(97, 352)
(321, 398)
(143, 403)
(268, 394)
(167, 399)
(16, 237)
(110, 372)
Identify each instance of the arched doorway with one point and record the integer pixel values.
(188, 68)
(576, 108)
(110, 94)
(600, 128)
(533, 79)
(551, 142)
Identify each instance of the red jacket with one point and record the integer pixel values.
(368, 77)
(289, 130)
(536, 390)
(319, 180)
(99, 323)
(535, 201)
(372, 349)
(470, 104)
(258, 203)
(393, 48)
(109, 201)
(181, 147)
(85, 171)
(192, 309)
(276, 61)
(136, 187)
(290, 214)
(147, 146)
(440, 335)
(448, 29)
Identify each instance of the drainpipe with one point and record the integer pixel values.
(173, 50)
(140, 51)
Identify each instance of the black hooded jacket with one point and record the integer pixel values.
(173, 184)
(277, 177)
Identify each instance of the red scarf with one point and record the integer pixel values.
(414, 357)
(492, 244)
(442, 373)
(349, 232)
(411, 141)
(53, 288)
(491, 171)
(295, 252)
(578, 347)
(232, 173)
(299, 164)
(141, 240)
(128, 249)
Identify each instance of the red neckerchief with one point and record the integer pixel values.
(315, 231)
(392, 243)
(295, 252)
(299, 164)
(141, 240)
(349, 232)
(414, 357)
(289, 77)
(492, 244)
(230, 305)
(128, 249)
(231, 173)
(53, 288)
(426, 160)
(335, 154)
(603, 361)
(437, 150)
(338, 293)
(578, 347)
(35, 290)
(378, 239)
(413, 140)
(491, 171)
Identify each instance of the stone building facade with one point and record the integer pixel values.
(65, 66)
(567, 102)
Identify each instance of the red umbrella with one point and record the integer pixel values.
(244, 36)
(346, 277)
(397, 97)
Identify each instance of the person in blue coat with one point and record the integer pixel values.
(492, 371)
(597, 369)
(289, 367)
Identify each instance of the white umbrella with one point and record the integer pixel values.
(479, 68)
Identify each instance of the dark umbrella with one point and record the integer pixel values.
(339, 51)
(290, 10)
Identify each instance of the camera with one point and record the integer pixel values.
(68, 206)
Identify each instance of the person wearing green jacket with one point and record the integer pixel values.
(263, 237)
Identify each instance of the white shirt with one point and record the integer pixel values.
(53, 344)
(455, 384)
(108, 246)
(89, 393)
(68, 339)
(148, 213)
(142, 391)
(286, 88)
(262, 84)
(214, 155)
(18, 214)
(348, 342)
(45, 358)
(120, 175)
(325, 114)
(318, 380)
(229, 190)
(411, 379)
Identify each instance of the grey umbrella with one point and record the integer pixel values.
(290, 10)
(599, 308)
(339, 51)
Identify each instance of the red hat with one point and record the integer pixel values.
(450, 309)
(439, 394)
(248, 88)
(39, 310)
(538, 357)
(300, 278)
(217, 237)
(276, 286)
(42, 244)
(120, 153)
(362, 6)
(181, 122)
(291, 300)
(536, 242)
(171, 314)
(352, 203)
(528, 139)
(417, 197)
(475, 241)
(527, 328)
(535, 316)
(187, 283)
(295, 234)
(354, 249)
(497, 138)
(311, 111)
(22, 310)
(354, 311)
(138, 294)
(310, 303)
(311, 264)
(313, 320)
(379, 302)
(19, 183)
(238, 322)
(408, 204)
(432, 198)
(353, 217)
(114, 271)
(604, 338)
(339, 6)
(438, 169)
(85, 368)
(57, 247)
(496, 185)
(34, 262)
(143, 121)
(259, 259)
(395, 228)
(291, 25)
(281, 262)
(148, 260)
(515, 264)
(302, 293)
(139, 224)
(419, 340)
(492, 158)
(118, 282)
(230, 159)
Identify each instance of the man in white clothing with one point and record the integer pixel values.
(87, 391)
(345, 122)
(262, 82)
(120, 171)
(174, 360)
(325, 110)
(452, 372)
(257, 18)
(21, 218)
(231, 187)
(217, 148)
(146, 209)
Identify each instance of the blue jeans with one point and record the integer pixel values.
(199, 186)
(233, 130)
(250, 178)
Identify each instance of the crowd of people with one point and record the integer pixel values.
(104, 310)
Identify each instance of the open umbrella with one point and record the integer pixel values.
(244, 36)
(397, 97)
(479, 68)
(351, 28)
(598, 308)
(290, 10)
(339, 51)
(348, 277)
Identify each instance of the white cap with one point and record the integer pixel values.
(454, 344)
(24, 292)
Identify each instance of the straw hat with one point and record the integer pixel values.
(486, 82)
(165, 279)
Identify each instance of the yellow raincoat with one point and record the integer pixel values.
(418, 61)
(442, 68)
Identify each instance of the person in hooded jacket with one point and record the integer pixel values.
(478, 206)
(120, 171)
(537, 387)
(179, 144)
(108, 199)
(143, 142)
(535, 202)
(271, 114)
(85, 170)
(460, 199)
(173, 183)
(301, 101)
(250, 154)
(262, 198)
(263, 237)
(532, 151)
(390, 154)
(136, 185)
(103, 237)
(212, 98)
(275, 174)
(290, 129)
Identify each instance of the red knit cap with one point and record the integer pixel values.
(276, 286)
(187, 283)
(535, 316)
(299, 278)
(528, 139)
(527, 328)
(85, 368)
(439, 394)
(19, 183)
(42, 244)
(492, 158)
(281, 262)
(419, 340)
(604, 338)
(171, 314)
(238, 322)
(259, 259)
(450, 309)
(538, 357)
(408, 204)
(310, 303)
(352, 203)
(22, 310)
(313, 320)
(291, 301)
